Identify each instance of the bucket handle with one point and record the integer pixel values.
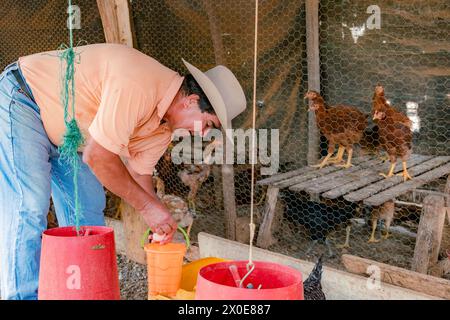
(148, 231)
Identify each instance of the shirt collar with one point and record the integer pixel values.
(170, 94)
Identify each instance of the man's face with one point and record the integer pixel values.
(188, 113)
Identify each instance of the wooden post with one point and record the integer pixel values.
(312, 50)
(429, 234)
(134, 228)
(229, 197)
(265, 238)
(447, 205)
(118, 28)
(117, 24)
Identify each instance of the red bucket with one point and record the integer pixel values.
(78, 267)
(278, 282)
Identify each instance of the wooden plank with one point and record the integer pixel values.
(265, 238)
(116, 21)
(314, 173)
(407, 186)
(313, 61)
(384, 184)
(429, 234)
(283, 176)
(336, 284)
(399, 276)
(326, 182)
(367, 177)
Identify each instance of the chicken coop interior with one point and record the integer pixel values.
(344, 51)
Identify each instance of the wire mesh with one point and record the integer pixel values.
(409, 55)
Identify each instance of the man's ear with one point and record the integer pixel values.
(192, 100)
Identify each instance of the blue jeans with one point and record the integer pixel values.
(29, 174)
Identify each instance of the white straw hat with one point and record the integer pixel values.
(223, 91)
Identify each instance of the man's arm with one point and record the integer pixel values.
(112, 173)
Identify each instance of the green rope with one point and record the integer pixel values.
(73, 137)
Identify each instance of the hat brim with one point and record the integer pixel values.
(213, 94)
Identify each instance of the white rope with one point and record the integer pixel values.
(250, 264)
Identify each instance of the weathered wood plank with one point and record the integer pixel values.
(326, 182)
(409, 185)
(384, 184)
(314, 173)
(368, 176)
(429, 234)
(283, 176)
(399, 276)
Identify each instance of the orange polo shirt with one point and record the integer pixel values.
(121, 96)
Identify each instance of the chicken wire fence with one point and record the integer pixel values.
(408, 53)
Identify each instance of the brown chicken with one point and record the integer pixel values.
(394, 133)
(384, 212)
(193, 176)
(177, 206)
(379, 103)
(341, 125)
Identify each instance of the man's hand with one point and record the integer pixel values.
(160, 221)
(137, 191)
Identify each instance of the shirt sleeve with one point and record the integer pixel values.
(122, 107)
(144, 162)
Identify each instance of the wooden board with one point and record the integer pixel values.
(409, 185)
(400, 277)
(384, 184)
(368, 176)
(282, 176)
(337, 284)
(314, 173)
(326, 182)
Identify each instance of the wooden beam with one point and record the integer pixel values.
(399, 276)
(429, 234)
(313, 54)
(116, 20)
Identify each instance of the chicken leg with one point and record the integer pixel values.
(372, 236)
(349, 159)
(391, 171)
(404, 173)
(346, 244)
(323, 162)
(339, 155)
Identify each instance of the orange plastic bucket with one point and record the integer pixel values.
(78, 267)
(164, 267)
